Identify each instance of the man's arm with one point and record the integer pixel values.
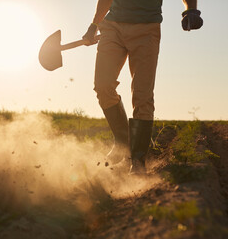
(190, 4)
(103, 7)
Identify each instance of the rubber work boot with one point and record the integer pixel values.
(140, 137)
(118, 122)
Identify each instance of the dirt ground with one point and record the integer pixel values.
(196, 208)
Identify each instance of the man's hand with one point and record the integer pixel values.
(191, 20)
(103, 7)
(90, 34)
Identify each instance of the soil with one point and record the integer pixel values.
(124, 218)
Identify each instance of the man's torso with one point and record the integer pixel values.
(135, 11)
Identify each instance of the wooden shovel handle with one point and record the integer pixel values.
(77, 43)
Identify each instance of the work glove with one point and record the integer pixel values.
(191, 20)
(90, 34)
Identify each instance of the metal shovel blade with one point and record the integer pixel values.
(50, 52)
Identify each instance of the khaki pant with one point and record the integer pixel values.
(139, 42)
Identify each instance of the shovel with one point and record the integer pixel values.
(50, 52)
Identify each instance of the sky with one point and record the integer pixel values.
(192, 73)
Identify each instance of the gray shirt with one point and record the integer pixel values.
(135, 11)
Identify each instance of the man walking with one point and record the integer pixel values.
(131, 28)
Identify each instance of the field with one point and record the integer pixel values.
(55, 182)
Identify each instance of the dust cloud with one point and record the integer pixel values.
(37, 162)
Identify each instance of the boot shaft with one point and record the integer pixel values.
(140, 132)
(118, 122)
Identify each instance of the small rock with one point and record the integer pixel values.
(124, 227)
(158, 192)
(38, 166)
(35, 142)
(23, 224)
(136, 220)
(106, 164)
(98, 163)
(181, 227)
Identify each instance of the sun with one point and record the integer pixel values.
(20, 35)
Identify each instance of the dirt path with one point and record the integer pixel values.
(217, 137)
(185, 201)
(210, 195)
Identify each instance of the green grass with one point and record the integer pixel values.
(80, 125)
(211, 155)
(6, 115)
(182, 217)
(76, 123)
(182, 173)
(189, 154)
(180, 212)
(185, 147)
(161, 131)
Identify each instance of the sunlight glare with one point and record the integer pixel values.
(20, 36)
